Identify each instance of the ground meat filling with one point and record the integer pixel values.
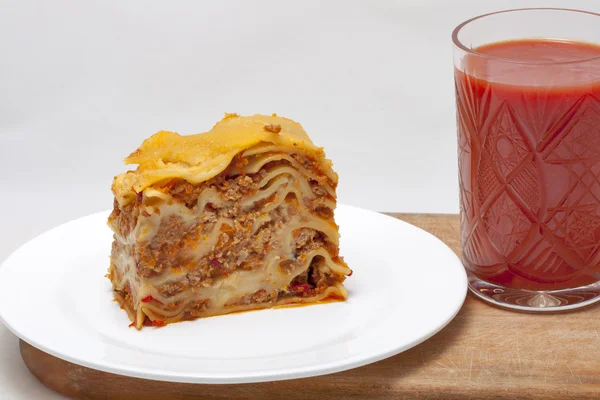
(237, 248)
(240, 251)
(167, 250)
(234, 188)
(317, 277)
(195, 309)
(314, 280)
(312, 164)
(307, 240)
(125, 219)
(262, 296)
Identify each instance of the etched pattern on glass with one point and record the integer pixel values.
(530, 194)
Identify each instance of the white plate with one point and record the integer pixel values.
(406, 286)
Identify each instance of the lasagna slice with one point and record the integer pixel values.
(238, 218)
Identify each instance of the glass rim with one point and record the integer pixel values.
(466, 49)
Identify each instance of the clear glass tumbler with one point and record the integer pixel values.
(528, 116)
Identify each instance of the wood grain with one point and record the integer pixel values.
(485, 352)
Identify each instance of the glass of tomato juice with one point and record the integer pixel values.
(528, 116)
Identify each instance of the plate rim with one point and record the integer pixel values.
(260, 376)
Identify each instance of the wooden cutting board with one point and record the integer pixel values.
(484, 353)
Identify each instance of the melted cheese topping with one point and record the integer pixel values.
(197, 158)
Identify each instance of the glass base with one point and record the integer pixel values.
(533, 300)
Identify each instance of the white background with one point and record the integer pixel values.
(83, 82)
